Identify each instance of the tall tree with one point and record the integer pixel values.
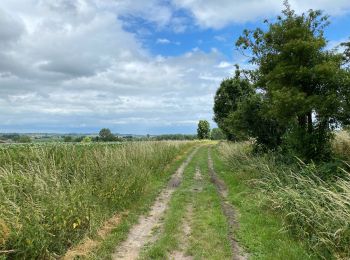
(302, 81)
(345, 112)
(346, 45)
(229, 94)
(203, 130)
(106, 135)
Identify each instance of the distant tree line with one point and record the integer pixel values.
(105, 135)
(174, 137)
(17, 138)
(297, 93)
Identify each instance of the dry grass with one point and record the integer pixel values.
(341, 144)
(88, 244)
(4, 233)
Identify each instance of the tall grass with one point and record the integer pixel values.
(341, 144)
(51, 196)
(314, 210)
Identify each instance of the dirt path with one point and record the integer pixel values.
(228, 210)
(141, 233)
(180, 254)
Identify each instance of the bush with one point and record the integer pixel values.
(67, 139)
(24, 139)
(86, 139)
(308, 146)
(217, 134)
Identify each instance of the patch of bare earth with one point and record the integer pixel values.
(142, 233)
(198, 178)
(228, 210)
(186, 224)
(88, 244)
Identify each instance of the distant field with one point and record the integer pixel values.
(52, 195)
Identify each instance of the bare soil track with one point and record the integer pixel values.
(142, 233)
(228, 210)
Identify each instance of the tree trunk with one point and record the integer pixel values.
(309, 122)
(302, 121)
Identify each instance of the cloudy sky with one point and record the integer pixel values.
(140, 67)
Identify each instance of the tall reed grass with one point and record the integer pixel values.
(52, 195)
(341, 145)
(314, 210)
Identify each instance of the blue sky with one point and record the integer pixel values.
(137, 67)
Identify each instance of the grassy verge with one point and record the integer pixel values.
(210, 229)
(52, 196)
(141, 206)
(261, 231)
(208, 238)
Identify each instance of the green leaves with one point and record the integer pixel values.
(305, 87)
(227, 98)
(203, 130)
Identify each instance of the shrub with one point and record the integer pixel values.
(86, 139)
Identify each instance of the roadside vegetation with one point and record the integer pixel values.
(261, 231)
(314, 203)
(51, 196)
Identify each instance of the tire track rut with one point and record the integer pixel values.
(228, 210)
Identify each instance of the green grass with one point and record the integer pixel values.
(53, 195)
(209, 230)
(260, 231)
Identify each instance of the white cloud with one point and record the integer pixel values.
(65, 64)
(219, 13)
(224, 64)
(163, 41)
(70, 64)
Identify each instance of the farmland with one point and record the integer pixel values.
(174, 130)
(53, 195)
(223, 201)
